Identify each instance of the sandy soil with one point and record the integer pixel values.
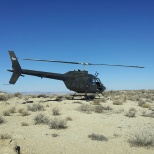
(38, 138)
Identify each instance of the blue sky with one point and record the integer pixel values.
(96, 31)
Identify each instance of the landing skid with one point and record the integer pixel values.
(83, 96)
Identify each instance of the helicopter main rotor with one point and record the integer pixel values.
(81, 63)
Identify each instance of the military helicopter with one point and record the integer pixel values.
(77, 81)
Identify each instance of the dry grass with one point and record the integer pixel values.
(97, 137)
(58, 124)
(131, 113)
(85, 108)
(5, 136)
(117, 102)
(41, 119)
(24, 124)
(6, 113)
(12, 110)
(1, 120)
(35, 108)
(142, 138)
(56, 111)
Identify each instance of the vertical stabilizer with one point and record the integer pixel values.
(16, 68)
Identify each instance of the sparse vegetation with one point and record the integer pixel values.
(6, 113)
(131, 113)
(1, 120)
(117, 102)
(58, 124)
(97, 137)
(68, 119)
(55, 135)
(24, 124)
(5, 136)
(25, 113)
(41, 119)
(12, 110)
(56, 111)
(142, 138)
(85, 108)
(36, 107)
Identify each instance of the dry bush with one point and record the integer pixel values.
(60, 98)
(1, 120)
(5, 97)
(131, 113)
(141, 102)
(97, 137)
(68, 119)
(96, 102)
(145, 114)
(54, 135)
(98, 109)
(36, 107)
(41, 119)
(85, 108)
(56, 111)
(146, 105)
(6, 113)
(77, 102)
(5, 136)
(24, 124)
(24, 113)
(19, 95)
(12, 110)
(21, 110)
(58, 124)
(42, 95)
(117, 102)
(142, 138)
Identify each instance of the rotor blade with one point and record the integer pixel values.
(118, 65)
(54, 61)
(82, 63)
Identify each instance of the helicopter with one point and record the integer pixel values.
(79, 81)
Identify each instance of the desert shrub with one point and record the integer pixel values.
(146, 105)
(59, 98)
(141, 102)
(19, 95)
(55, 135)
(41, 95)
(142, 138)
(56, 111)
(117, 102)
(1, 120)
(35, 108)
(85, 108)
(145, 114)
(41, 119)
(5, 136)
(25, 113)
(77, 102)
(24, 124)
(6, 113)
(96, 102)
(58, 124)
(98, 109)
(131, 113)
(12, 110)
(68, 119)
(97, 137)
(21, 110)
(5, 97)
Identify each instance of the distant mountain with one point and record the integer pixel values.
(46, 93)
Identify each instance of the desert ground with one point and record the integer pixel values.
(116, 123)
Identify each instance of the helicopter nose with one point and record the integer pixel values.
(103, 88)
